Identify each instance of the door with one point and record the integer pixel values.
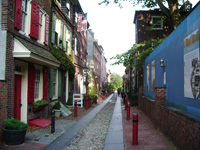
(17, 105)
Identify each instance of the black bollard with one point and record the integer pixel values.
(53, 121)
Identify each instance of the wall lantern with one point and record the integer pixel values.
(162, 63)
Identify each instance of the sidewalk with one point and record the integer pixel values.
(149, 138)
(42, 138)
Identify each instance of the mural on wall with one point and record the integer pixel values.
(192, 66)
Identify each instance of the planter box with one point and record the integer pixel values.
(37, 108)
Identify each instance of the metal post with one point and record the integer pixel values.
(75, 109)
(128, 111)
(53, 121)
(86, 99)
(135, 129)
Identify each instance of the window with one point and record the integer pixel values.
(40, 27)
(75, 46)
(37, 83)
(24, 15)
(30, 20)
(68, 9)
(157, 22)
(76, 17)
(148, 83)
(55, 83)
(153, 76)
(81, 50)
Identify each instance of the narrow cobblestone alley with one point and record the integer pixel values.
(93, 136)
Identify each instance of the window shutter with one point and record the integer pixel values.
(51, 83)
(31, 83)
(18, 14)
(45, 83)
(35, 14)
(53, 29)
(59, 83)
(46, 30)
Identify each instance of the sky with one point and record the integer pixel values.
(113, 28)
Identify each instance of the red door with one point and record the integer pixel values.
(17, 110)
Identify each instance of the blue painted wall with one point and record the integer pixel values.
(172, 52)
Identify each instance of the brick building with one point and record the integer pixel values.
(170, 93)
(95, 52)
(31, 33)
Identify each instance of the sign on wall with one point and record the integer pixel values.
(192, 66)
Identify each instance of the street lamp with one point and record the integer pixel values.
(85, 72)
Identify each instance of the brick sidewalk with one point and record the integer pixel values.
(149, 138)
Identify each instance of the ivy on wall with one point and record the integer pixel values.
(65, 62)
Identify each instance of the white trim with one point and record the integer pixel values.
(41, 82)
(20, 51)
(3, 38)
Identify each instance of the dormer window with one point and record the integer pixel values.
(157, 22)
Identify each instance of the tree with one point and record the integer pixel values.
(171, 10)
(116, 81)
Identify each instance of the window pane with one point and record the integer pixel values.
(37, 83)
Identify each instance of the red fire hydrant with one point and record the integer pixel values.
(135, 129)
(128, 111)
(125, 103)
(75, 109)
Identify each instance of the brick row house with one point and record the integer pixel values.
(94, 59)
(35, 36)
(80, 53)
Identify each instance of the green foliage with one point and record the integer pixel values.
(57, 106)
(65, 62)
(92, 92)
(40, 102)
(133, 99)
(69, 102)
(139, 52)
(13, 124)
(115, 81)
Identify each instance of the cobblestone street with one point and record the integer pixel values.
(93, 136)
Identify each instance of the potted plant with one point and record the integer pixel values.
(39, 105)
(14, 131)
(57, 107)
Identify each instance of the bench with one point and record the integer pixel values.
(78, 98)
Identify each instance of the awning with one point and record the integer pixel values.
(27, 51)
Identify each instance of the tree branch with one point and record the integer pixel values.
(164, 9)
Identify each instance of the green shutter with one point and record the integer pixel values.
(59, 83)
(51, 83)
(53, 28)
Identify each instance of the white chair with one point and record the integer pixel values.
(78, 98)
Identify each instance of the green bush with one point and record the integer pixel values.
(13, 124)
(57, 106)
(92, 93)
(69, 102)
(40, 102)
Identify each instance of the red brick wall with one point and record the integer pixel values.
(182, 130)
(3, 103)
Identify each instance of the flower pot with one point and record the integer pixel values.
(57, 112)
(14, 137)
(37, 108)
